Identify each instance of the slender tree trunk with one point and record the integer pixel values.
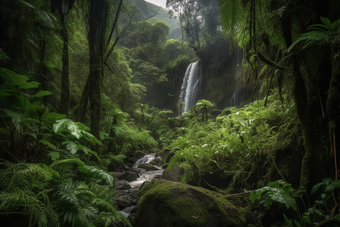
(112, 145)
(333, 108)
(65, 81)
(43, 69)
(80, 112)
(181, 25)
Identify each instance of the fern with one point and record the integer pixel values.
(25, 193)
(96, 172)
(116, 160)
(58, 165)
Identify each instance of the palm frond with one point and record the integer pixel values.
(232, 15)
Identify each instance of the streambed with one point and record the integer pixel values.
(130, 182)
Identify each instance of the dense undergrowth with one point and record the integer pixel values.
(50, 174)
(239, 143)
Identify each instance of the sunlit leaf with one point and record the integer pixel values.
(42, 93)
(71, 146)
(55, 155)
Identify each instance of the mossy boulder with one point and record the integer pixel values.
(147, 166)
(173, 175)
(167, 204)
(157, 161)
(138, 155)
(167, 155)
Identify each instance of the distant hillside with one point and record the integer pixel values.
(146, 10)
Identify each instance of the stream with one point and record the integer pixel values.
(130, 182)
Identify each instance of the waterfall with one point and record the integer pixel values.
(191, 86)
(236, 97)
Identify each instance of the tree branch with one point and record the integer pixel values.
(267, 61)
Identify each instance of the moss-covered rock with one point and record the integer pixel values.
(167, 155)
(147, 166)
(157, 161)
(168, 204)
(138, 155)
(173, 175)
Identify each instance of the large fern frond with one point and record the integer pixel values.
(60, 164)
(25, 175)
(96, 172)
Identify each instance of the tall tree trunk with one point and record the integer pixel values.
(307, 115)
(97, 29)
(65, 81)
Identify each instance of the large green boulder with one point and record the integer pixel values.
(167, 204)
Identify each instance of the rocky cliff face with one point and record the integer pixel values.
(223, 74)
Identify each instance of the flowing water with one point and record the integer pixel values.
(234, 101)
(236, 98)
(191, 86)
(147, 175)
(146, 159)
(143, 176)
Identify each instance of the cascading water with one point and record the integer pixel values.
(236, 97)
(191, 86)
(146, 159)
(135, 185)
(147, 175)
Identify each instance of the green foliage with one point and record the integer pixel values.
(48, 196)
(29, 118)
(25, 192)
(277, 191)
(76, 129)
(232, 15)
(96, 172)
(318, 40)
(328, 187)
(237, 145)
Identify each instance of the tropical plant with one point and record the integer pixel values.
(276, 191)
(203, 105)
(25, 118)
